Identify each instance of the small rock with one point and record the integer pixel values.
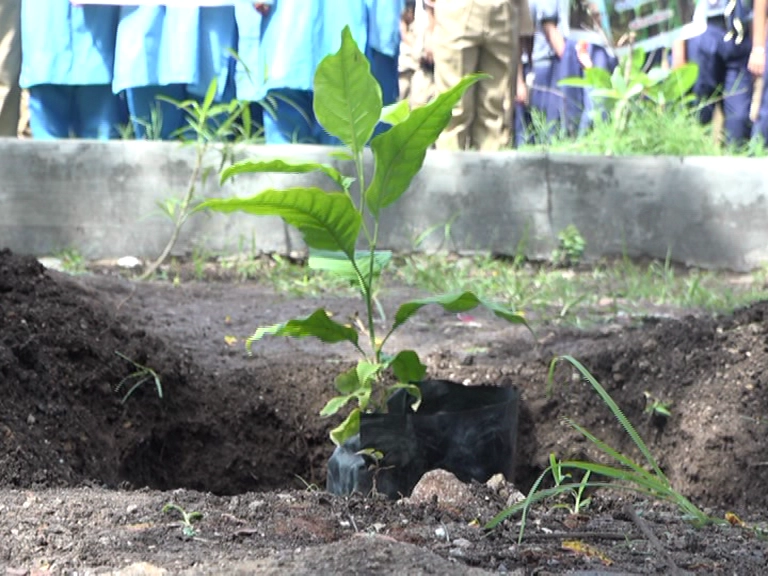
(443, 486)
(462, 543)
(496, 482)
(128, 262)
(256, 504)
(131, 509)
(30, 419)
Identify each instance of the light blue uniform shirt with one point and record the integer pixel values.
(67, 45)
(298, 34)
(544, 11)
(158, 46)
(384, 25)
(248, 38)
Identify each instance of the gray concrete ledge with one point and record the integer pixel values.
(100, 198)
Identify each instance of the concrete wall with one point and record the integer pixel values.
(100, 198)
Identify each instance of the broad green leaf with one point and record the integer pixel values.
(334, 405)
(395, 113)
(598, 77)
(347, 382)
(346, 429)
(679, 82)
(618, 81)
(457, 302)
(347, 98)
(366, 372)
(284, 167)
(339, 264)
(399, 152)
(326, 220)
(413, 390)
(317, 324)
(638, 59)
(657, 74)
(407, 367)
(342, 155)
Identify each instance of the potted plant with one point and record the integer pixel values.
(396, 431)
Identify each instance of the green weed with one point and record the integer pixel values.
(626, 474)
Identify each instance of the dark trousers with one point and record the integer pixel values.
(723, 72)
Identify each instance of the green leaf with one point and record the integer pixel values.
(399, 152)
(347, 382)
(413, 390)
(346, 429)
(283, 167)
(339, 264)
(347, 98)
(209, 96)
(317, 324)
(593, 78)
(326, 220)
(638, 59)
(396, 113)
(366, 372)
(334, 405)
(457, 302)
(679, 82)
(407, 367)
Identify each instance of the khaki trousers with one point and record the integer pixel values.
(476, 36)
(10, 66)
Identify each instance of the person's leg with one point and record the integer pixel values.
(489, 130)
(289, 118)
(97, 112)
(711, 71)
(10, 66)
(570, 99)
(384, 69)
(152, 118)
(50, 111)
(458, 26)
(738, 86)
(760, 127)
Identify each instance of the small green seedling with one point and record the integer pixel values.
(210, 125)
(187, 518)
(571, 246)
(656, 407)
(336, 223)
(140, 376)
(576, 494)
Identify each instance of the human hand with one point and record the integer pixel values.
(582, 54)
(756, 64)
(262, 8)
(521, 93)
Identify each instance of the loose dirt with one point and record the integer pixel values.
(84, 476)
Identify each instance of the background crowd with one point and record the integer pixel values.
(89, 69)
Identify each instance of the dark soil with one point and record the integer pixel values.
(84, 477)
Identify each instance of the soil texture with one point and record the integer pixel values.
(85, 473)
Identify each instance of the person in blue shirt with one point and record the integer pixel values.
(67, 62)
(246, 79)
(722, 55)
(174, 52)
(295, 36)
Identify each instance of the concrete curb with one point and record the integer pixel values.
(101, 199)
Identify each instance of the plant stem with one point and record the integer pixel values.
(181, 215)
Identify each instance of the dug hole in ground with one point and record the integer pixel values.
(84, 478)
